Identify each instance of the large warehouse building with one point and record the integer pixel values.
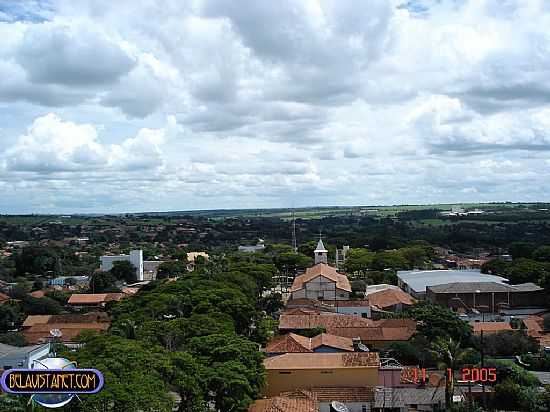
(415, 282)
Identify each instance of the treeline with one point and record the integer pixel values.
(196, 337)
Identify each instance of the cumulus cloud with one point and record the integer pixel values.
(273, 103)
(53, 145)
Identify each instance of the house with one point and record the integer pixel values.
(285, 404)
(37, 328)
(321, 282)
(359, 307)
(12, 357)
(535, 328)
(4, 298)
(390, 299)
(93, 299)
(293, 343)
(355, 398)
(38, 294)
(293, 371)
(374, 334)
(191, 256)
(490, 327)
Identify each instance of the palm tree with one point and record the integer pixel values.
(449, 355)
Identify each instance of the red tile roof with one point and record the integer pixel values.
(93, 299)
(490, 326)
(41, 333)
(321, 269)
(284, 404)
(293, 343)
(351, 326)
(390, 297)
(323, 361)
(4, 297)
(38, 294)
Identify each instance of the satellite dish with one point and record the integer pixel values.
(56, 333)
(362, 347)
(338, 407)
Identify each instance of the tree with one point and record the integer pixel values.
(438, 321)
(508, 343)
(13, 339)
(124, 271)
(102, 282)
(9, 317)
(525, 270)
(135, 374)
(542, 253)
(521, 249)
(359, 260)
(37, 260)
(171, 269)
(41, 306)
(449, 355)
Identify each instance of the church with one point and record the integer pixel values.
(321, 281)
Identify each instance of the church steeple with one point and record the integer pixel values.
(321, 254)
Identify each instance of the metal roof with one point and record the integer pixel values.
(471, 287)
(417, 280)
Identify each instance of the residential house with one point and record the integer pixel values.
(293, 371)
(390, 300)
(374, 334)
(490, 327)
(37, 328)
(96, 300)
(535, 328)
(284, 404)
(293, 343)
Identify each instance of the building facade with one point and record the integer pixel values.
(135, 258)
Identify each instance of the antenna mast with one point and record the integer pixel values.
(294, 245)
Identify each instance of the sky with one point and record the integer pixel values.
(143, 105)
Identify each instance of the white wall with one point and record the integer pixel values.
(135, 258)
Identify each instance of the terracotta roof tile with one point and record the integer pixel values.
(321, 269)
(38, 294)
(329, 394)
(534, 326)
(4, 297)
(490, 326)
(32, 320)
(41, 333)
(284, 404)
(323, 360)
(293, 343)
(390, 297)
(352, 326)
(93, 299)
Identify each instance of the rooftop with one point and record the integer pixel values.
(93, 298)
(329, 394)
(418, 280)
(8, 350)
(471, 287)
(321, 269)
(293, 343)
(284, 404)
(323, 361)
(490, 326)
(390, 297)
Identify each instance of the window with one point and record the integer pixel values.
(364, 408)
(326, 372)
(285, 373)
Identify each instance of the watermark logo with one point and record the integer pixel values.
(53, 382)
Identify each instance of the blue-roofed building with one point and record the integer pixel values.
(61, 280)
(415, 282)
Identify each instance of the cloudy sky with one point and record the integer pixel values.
(141, 105)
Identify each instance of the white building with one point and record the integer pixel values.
(321, 254)
(12, 357)
(135, 258)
